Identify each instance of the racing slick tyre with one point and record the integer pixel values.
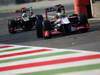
(11, 26)
(82, 19)
(12, 30)
(39, 26)
(46, 29)
(83, 22)
(67, 28)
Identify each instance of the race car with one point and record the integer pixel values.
(24, 9)
(46, 27)
(21, 23)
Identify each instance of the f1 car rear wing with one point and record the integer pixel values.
(58, 8)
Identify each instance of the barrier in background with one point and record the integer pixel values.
(83, 6)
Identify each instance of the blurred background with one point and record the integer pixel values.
(7, 2)
(93, 8)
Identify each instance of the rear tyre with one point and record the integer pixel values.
(11, 26)
(83, 19)
(12, 30)
(84, 22)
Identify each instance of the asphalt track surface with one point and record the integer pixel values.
(89, 41)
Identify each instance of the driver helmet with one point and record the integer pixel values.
(24, 15)
(59, 14)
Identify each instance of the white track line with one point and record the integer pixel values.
(4, 49)
(18, 51)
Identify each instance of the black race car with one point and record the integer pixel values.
(24, 9)
(19, 24)
(45, 27)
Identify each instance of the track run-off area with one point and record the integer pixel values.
(32, 60)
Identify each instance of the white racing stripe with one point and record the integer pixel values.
(33, 48)
(51, 67)
(4, 49)
(32, 54)
(18, 46)
(13, 46)
(18, 51)
(43, 59)
(84, 51)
